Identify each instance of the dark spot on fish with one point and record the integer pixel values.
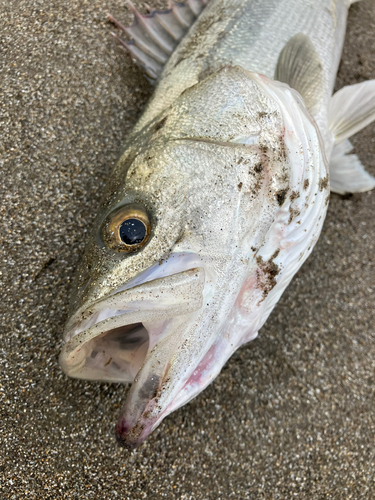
(294, 212)
(262, 114)
(258, 167)
(280, 196)
(180, 238)
(294, 195)
(108, 362)
(253, 249)
(159, 125)
(266, 274)
(327, 199)
(150, 389)
(205, 73)
(323, 183)
(275, 254)
(240, 186)
(306, 183)
(156, 393)
(179, 61)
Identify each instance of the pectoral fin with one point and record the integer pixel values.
(350, 110)
(300, 67)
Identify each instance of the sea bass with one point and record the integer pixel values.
(218, 198)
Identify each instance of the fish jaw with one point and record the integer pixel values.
(110, 340)
(185, 362)
(151, 400)
(156, 385)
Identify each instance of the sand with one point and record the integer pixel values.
(292, 413)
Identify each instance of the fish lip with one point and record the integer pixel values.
(128, 438)
(190, 260)
(131, 437)
(76, 350)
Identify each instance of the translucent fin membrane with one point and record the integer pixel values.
(154, 36)
(347, 174)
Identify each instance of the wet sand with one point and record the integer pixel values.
(292, 413)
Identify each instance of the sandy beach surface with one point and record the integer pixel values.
(292, 413)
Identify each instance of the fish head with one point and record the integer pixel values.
(202, 217)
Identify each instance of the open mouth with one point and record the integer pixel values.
(118, 353)
(109, 341)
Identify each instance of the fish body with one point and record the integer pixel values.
(217, 200)
(251, 34)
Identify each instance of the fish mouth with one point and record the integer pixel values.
(110, 339)
(135, 335)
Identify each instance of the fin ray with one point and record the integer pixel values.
(151, 67)
(183, 14)
(154, 30)
(351, 109)
(168, 21)
(142, 40)
(196, 6)
(347, 174)
(155, 35)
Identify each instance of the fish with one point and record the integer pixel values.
(218, 197)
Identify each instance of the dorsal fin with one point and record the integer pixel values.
(300, 67)
(154, 36)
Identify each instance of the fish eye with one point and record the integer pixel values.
(127, 228)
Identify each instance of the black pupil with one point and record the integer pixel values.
(132, 231)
